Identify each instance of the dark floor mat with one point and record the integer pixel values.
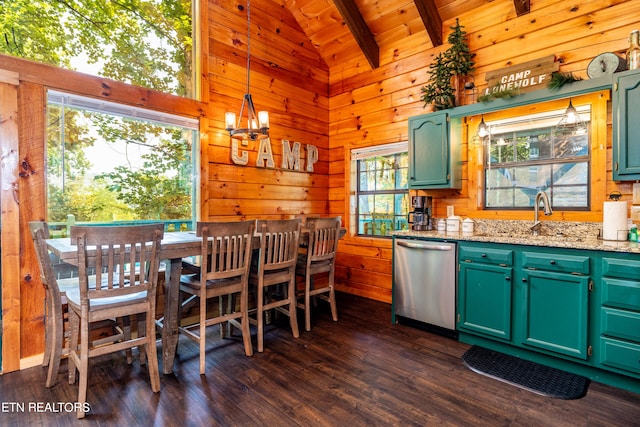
(525, 374)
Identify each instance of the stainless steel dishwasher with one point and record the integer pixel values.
(424, 281)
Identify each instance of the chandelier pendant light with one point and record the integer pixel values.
(571, 123)
(257, 124)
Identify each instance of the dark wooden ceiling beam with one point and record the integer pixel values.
(522, 6)
(360, 30)
(431, 19)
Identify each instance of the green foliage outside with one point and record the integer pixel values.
(146, 43)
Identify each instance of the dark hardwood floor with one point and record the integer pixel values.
(359, 371)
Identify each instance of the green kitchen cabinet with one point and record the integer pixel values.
(619, 328)
(485, 290)
(533, 298)
(573, 309)
(626, 126)
(433, 163)
(556, 312)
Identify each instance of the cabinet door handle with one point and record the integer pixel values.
(524, 280)
(552, 262)
(483, 255)
(507, 278)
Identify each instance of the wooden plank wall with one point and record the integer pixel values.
(369, 107)
(335, 108)
(289, 79)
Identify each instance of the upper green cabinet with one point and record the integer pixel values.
(626, 126)
(433, 163)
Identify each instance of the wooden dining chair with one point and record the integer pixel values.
(319, 257)
(56, 334)
(223, 272)
(273, 275)
(124, 262)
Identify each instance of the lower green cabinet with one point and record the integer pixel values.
(573, 309)
(485, 299)
(534, 298)
(556, 312)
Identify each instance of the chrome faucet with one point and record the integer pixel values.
(536, 209)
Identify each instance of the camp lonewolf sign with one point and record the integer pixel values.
(291, 155)
(522, 77)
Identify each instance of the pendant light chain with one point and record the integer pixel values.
(248, 44)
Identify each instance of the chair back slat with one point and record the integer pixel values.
(124, 259)
(324, 234)
(279, 243)
(226, 249)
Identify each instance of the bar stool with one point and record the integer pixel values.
(275, 266)
(319, 257)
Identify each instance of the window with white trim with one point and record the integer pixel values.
(380, 182)
(538, 153)
(113, 163)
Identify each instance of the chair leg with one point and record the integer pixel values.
(246, 332)
(332, 297)
(203, 329)
(142, 329)
(48, 335)
(293, 317)
(74, 325)
(126, 330)
(84, 366)
(55, 344)
(260, 317)
(307, 303)
(152, 354)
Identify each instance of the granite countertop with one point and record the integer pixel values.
(561, 235)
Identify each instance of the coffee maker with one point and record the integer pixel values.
(420, 216)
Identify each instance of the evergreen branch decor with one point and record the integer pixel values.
(560, 79)
(454, 62)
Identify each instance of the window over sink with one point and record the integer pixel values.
(538, 152)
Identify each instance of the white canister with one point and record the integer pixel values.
(442, 225)
(467, 226)
(453, 224)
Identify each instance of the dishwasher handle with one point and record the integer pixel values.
(414, 245)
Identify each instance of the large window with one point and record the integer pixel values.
(381, 190)
(147, 43)
(109, 163)
(538, 153)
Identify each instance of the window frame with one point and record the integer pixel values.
(544, 121)
(81, 102)
(362, 154)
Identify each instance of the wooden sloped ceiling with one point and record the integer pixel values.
(363, 30)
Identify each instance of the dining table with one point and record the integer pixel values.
(174, 247)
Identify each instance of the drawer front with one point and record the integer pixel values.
(556, 262)
(620, 324)
(486, 255)
(620, 267)
(620, 354)
(621, 293)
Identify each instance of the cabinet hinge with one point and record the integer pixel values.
(448, 177)
(590, 285)
(615, 87)
(589, 351)
(458, 320)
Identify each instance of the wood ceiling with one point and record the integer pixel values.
(344, 29)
